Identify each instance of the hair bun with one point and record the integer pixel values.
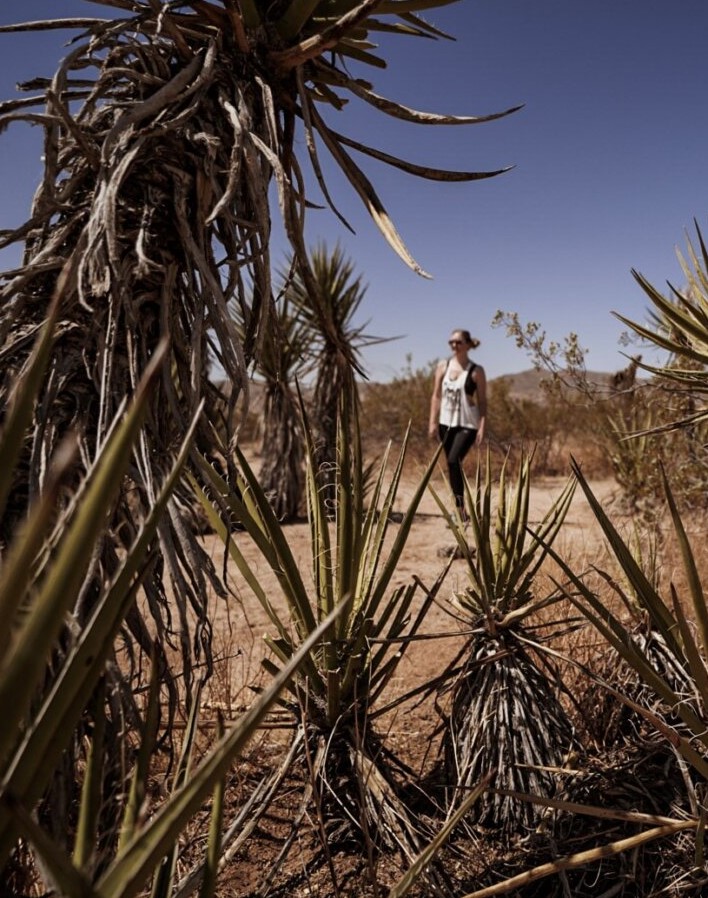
(471, 341)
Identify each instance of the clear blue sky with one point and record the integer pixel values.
(609, 154)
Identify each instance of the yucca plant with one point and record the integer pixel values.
(672, 665)
(164, 128)
(354, 560)
(667, 650)
(285, 360)
(147, 849)
(679, 325)
(43, 574)
(505, 714)
(336, 343)
(662, 640)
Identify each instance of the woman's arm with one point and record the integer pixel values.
(480, 378)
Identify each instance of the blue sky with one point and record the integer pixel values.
(609, 154)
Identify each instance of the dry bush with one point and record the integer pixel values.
(640, 447)
(388, 408)
(558, 424)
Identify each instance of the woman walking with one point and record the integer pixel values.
(458, 409)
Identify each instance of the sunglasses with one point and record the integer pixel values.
(455, 342)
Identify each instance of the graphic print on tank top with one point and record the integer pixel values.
(456, 410)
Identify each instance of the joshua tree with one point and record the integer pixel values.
(284, 359)
(337, 342)
(163, 129)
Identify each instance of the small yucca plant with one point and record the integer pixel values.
(663, 642)
(505, 715)
(344, 676)
(667, 651)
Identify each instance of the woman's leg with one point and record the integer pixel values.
(457, 442)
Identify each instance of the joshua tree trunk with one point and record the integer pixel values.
(282, 471)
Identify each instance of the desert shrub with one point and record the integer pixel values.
(626, 427)
(553, 425)
(387, 409)
(639, 446)
(556, 425)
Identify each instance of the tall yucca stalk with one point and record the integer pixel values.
(354, 560)
(505, 715)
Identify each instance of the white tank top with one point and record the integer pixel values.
(457, 409)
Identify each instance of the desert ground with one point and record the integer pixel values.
(241, 623)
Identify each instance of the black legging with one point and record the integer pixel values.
(457, 442)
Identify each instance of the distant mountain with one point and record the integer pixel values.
(523, 385)
(527, 384)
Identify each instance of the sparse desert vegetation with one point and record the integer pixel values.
(242, 668)
(549, 722)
